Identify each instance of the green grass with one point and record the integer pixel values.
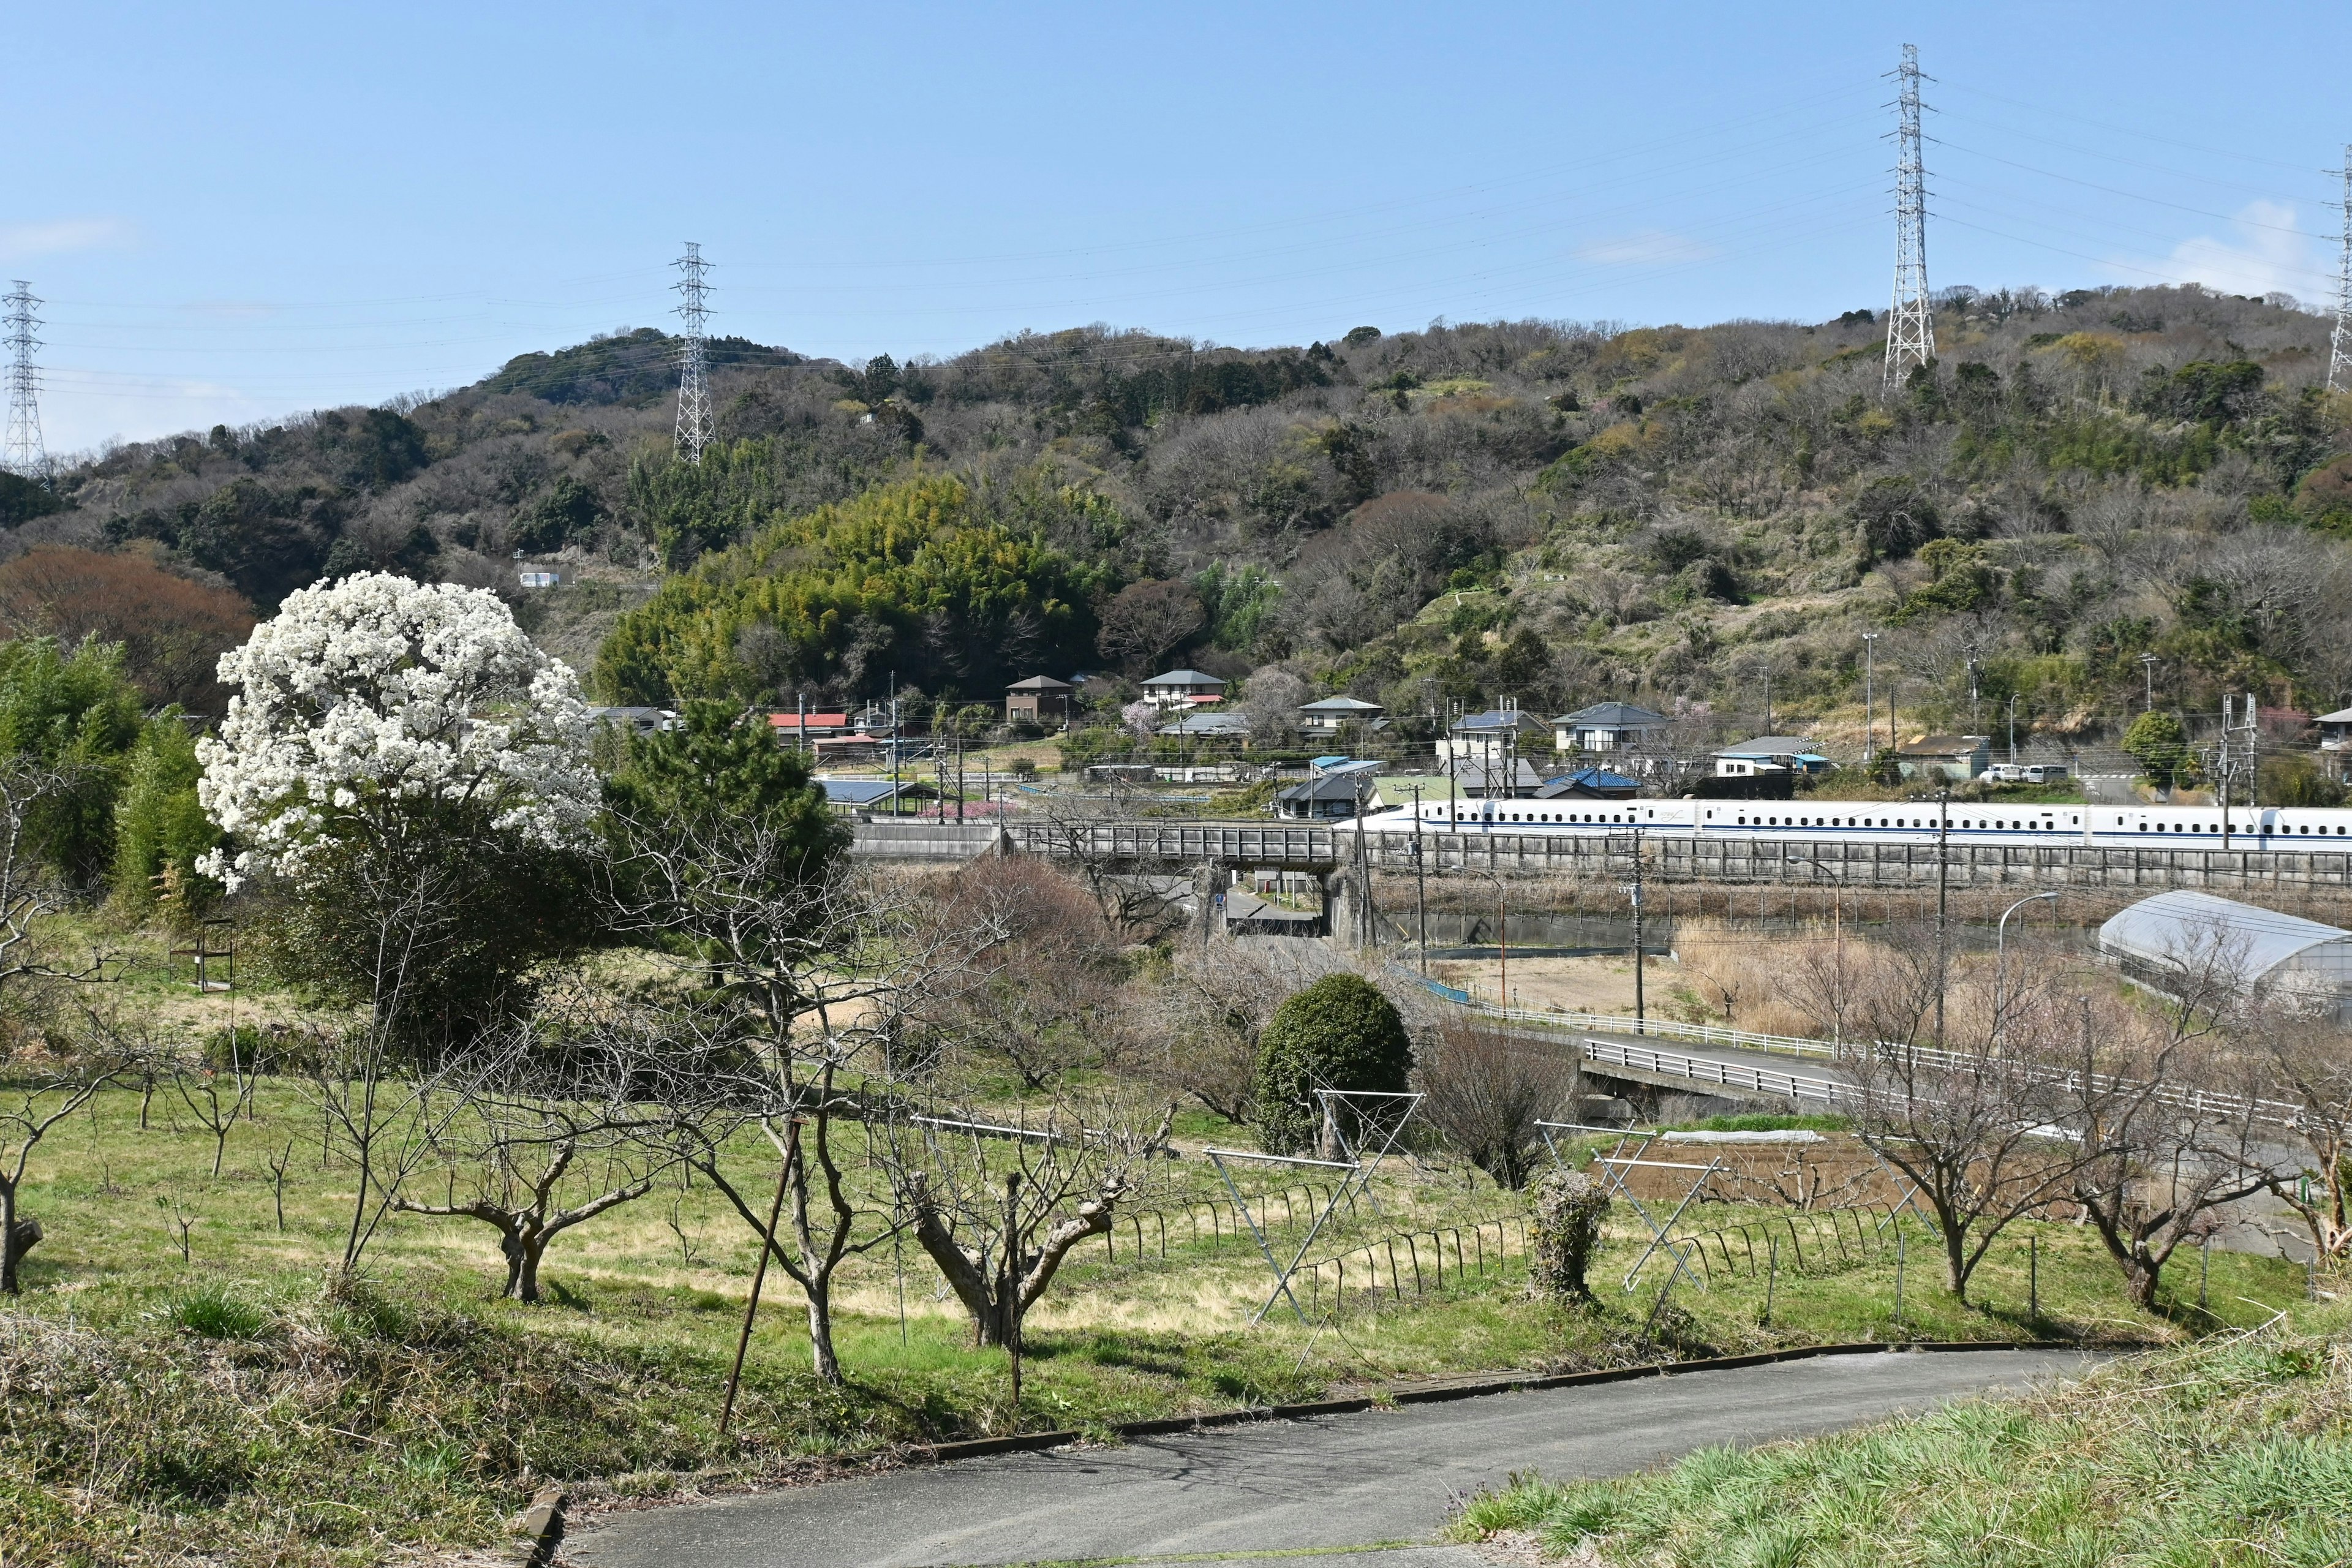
(234, 1399)
(2235, 1450)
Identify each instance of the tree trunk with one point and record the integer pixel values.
(16, 1238)
(1955, 1263)
(524, 1247)
(820, 1321)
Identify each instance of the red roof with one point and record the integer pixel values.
(816, 720)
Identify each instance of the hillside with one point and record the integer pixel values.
(1704, 520)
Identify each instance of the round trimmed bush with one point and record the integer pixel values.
(1339, 1032)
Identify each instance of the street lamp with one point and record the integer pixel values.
(1503, 932)
(1869, 697)
(2000, 957)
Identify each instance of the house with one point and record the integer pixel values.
(865, 797)
(1207, 726)
(797, 729)
(1317, 766)
(1511, 779)
(1607, 727)
(1039, 699)
(1949, 759)
(1184, 689)
(2336, 731)
(643, 721)
(1334, 795)
(1327, 715)
(1588, 783)
(1770, 754)
(1492, 738)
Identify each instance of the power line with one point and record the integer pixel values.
(2339, 342)
(23, 453)
(1910, 325)
(694, 425)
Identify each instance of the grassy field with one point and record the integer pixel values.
(2231, 1453)
(242, 1400)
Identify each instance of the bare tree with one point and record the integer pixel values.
(2302, 1055)
(797, 975)
(1484, 1090)
(1039, 994)
(1195, 1028)
(35, 1098)
(1145, 620)
(999, 1211)
(535, 1109)
(1973, 1130)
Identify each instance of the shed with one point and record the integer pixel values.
(1955, 758)
(2155, 939)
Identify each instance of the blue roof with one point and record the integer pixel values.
(1325, 762)
(1597, 778)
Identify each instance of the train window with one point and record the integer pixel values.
(2305, 829)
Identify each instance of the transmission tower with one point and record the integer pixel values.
(2339, 346)
(1910, 326)
(24, 453)
(694, 356)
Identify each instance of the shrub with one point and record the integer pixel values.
(1565, 1233)
(1339, 1032)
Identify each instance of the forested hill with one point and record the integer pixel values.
(1688, 517)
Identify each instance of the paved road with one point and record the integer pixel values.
(1353, 1480)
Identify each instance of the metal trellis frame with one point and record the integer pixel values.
(1282, 1291)
(1660, 1233)
(1334, 1101)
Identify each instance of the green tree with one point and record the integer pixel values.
(2161, 746)
(718, 768)
(78, 713)
(1339, 1032)
(160, 830)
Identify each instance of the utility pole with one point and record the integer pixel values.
(23, 454)
(2013, 727)
(2339, 343)
(1420, 886)
(1910, 325)
(1869, 697)
(2148, 681)
(1975, 715)
(1943, 890)
(1639, 1011)
(694, 425)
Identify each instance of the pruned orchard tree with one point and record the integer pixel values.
(793, 973)
(550, 1099)
(2302, 1058)
(1000, 1209)
(410, 773)
(2164, 1114)
(1971, 1128)
(36, 1095)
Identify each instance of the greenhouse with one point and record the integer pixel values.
(2156, 941)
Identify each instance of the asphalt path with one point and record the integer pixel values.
(1378, 1479)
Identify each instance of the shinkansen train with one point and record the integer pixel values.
(1884, 822)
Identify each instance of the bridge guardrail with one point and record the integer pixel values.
(1703, 1069)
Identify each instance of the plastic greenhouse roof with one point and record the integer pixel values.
(2185, 923)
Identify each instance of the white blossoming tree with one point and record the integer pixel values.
(409, 775)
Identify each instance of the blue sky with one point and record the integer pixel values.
(237, 212)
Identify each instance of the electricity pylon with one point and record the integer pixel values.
(2339, 346)
(23, 454)
(1910, 326)
(694, 430)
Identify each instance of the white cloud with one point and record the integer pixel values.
(2262, 256)
(1643, 247)
(22, 241)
